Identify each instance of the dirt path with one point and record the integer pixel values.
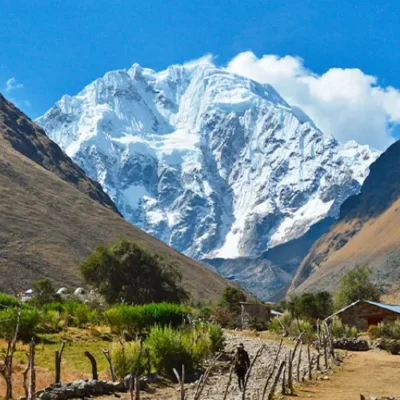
(372, 373)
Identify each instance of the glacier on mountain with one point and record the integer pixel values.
(212, 163)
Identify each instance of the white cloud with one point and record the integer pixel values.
(13, 84)
(346, 103)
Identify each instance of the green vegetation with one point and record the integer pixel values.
(388, 330)
(339, 330)
(29, 321)
(133, 319)
(8, 301)
(127, 358)
(227, 312)
(313, 306)
(355, 285)
(44, 293)
(125, 272)
(288, 325)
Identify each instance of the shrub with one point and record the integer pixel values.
(133, 319)
(313, 306)
(217, 339)
(355, 285)
(124, 271)
(373, 332)
(8, 301)
(50, 321)
(390, 345)
(28, 323)
(126, 359)
(299, 326)
(339, 330)
(389, 330)
(281, 324)
(169, 349)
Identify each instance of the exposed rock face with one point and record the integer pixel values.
(366, 233)
(212, 163)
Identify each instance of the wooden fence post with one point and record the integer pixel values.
(309, 362)
(58, 357)
(92, 360)
(6, 368)
(276, 380)
(299, 362)
(32, 371)
(106, 353)
(248, 373)
(290, 372)
(271, 373)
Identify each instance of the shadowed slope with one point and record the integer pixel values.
(52, 216)
(367, 233)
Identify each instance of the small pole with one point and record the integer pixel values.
(92, 360)
(107, 355)
(299, 362)
(32, 370)
(309, 362)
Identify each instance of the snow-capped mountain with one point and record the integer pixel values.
(212, 163)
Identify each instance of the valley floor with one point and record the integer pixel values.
(371, 373)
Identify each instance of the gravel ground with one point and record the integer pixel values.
(216, 386)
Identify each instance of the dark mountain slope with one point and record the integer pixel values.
(52, 216)
(367, 233)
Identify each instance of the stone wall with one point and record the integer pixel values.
(359, 314)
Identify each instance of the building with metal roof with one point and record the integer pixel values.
(364, 313)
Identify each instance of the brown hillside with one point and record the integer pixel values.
(52, 216)
(367, 233)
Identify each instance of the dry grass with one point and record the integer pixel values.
(375, 245)
(74, 364)
(371, 373)
(49, 225)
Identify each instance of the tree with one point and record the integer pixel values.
(356, 285)
(44, 293)
(227, 313)
(125, 272)
(318, 305)
(231, 298)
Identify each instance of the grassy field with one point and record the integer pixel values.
(74, 364)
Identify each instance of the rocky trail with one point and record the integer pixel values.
(371, 373)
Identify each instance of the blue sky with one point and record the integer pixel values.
(53, 47)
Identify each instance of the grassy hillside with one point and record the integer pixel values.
(52, 216)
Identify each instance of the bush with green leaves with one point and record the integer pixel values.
(339, 330)
(127, 358)
(29, 321)
(7, 300)
(287, 325)
(73, 313)
(389, 330)
(134, 319)
(312, 306)
(50, 321)
(216, 336)
(355, 285)
(170, 348)
(125, 272)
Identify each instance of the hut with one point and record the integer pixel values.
(364, 313)
(254, 313)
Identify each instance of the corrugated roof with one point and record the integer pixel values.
(391, 307)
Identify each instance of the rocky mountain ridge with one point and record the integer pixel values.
(214, 164)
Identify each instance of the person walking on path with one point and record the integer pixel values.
(242, 364)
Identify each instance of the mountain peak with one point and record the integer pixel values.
(210, 162)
